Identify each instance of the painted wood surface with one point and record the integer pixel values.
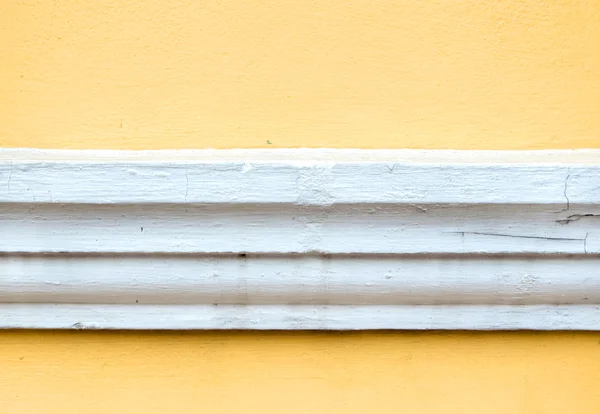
(301, 317)
(319, 178)
(265, 239)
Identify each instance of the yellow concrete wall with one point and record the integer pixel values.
(465, 74)
(469, 74)
(299, 373)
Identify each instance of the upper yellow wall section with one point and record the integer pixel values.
(299, 373)
(469, 74)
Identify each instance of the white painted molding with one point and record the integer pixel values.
(300, 239)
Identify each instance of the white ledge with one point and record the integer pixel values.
(300, 239)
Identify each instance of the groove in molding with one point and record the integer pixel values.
(300, 239)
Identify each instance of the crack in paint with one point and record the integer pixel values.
(516, 236)
(576, 217)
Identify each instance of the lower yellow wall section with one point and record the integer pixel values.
(237, 372)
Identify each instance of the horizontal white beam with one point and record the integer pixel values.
(300, 239)
(300, 317)
(326, 178)
(290, 229)
(338, 280)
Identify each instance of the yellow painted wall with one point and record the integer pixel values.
(273, 373)
(469, 74)
(494, 74)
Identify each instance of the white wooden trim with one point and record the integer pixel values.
(300, 317)
(300, 239)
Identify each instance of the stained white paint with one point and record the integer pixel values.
(280, 280)
(300, 239)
